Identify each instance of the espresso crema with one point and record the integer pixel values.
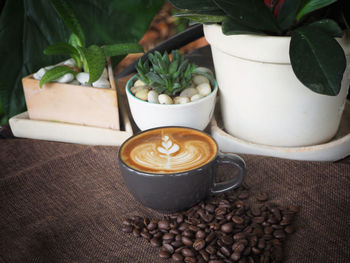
(168, 150)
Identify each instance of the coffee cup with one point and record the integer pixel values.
(173, 168)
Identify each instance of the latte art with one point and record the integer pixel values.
(169, 151)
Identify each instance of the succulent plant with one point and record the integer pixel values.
(165, 76)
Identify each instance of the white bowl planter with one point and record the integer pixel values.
(262, 100)
(196, 114)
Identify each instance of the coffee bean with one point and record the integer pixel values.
(289, 229)
(216, 261)
(210, 237)
(268, 230)
(177, 257)
(227, 228)
(220, 211)
(136, 232)
(210, 208)
(258, 219)
(199, 244)
(204, 255)
(235, 256)
(237, 220)
(158, 234)
(187, 233)
(186, 252)
(146, 235)
(155, 242)
(169, 248)
(293, 208)
(168, 236)
(255, 210)
(262, 197)
(180, 218)
(225, 251)
(210, 249)
(163, 254)
(239, 236)
(187, 241)
(176, 243)
(243, 195)
(261, 243)
(200, 234)
(279, 234)
(285, 222)
(227, 240)
(127, 229)
(127, 222)
(164, 225)
(256, 251)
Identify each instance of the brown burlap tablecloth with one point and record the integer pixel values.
(64, 203)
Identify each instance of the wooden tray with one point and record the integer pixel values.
(24, 127)
(336, 149)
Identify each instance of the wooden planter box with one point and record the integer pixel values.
(75, 104)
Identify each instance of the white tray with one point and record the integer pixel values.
(336, 149)
(24, 127)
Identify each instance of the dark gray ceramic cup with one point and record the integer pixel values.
(172, 192)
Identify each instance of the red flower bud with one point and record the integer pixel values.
(274, 5)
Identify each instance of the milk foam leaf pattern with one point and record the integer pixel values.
(165, 76)
(56, 73)
(321, 71)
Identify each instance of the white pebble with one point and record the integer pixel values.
(199, 79)
(139, 83)
(83, 78)
(188, 92)
(134, 89)
(181, 100)
(74, 82)
(204, 89)
(104, 74)
(205, 70)
(101, 83)
(152, 97)
(65, 78)
(142, 94)
(196, 97)
(50, 67)
(39, 74)
(165, 99)
(69, 62)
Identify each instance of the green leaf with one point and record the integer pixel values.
(61, 48)
(328, 26)
(317, 59)
(231, 27)
(56, 73)
(94, 61)
(200, 18)
(28, 27)
(69, 19)
(288, 12)
(309, 6)
(122, 49)
(75, 41)
(154, 78)
(251, 13)
(198, 6)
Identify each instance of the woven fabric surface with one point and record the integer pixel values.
(65, 203)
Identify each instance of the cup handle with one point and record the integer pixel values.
(235, 160)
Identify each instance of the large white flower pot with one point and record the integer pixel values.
(262, 100)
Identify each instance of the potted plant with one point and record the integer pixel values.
(282, 66)
(80, 90)
(173, 91)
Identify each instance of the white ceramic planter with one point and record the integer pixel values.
(262, 100)
(195, 114)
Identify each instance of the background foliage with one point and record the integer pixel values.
(27, 27)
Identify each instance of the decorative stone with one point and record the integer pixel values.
(101, 83)
(74, 82)
(139, 83)
(69, 62)
(83, 78)
(40, 73)
(142, 94)
(199, 79)
(204, 89)
(104, 74)
(196, 97)
(153, 97)
(205, 70)
(50, 67)
(134, 89)
(188, 92)
(181, 100)
(65, 78)
(165, 99)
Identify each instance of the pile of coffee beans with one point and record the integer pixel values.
(228, 228)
